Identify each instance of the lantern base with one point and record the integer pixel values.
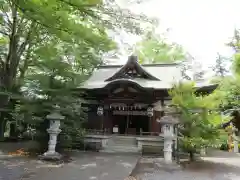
(162, 164)
(49, 156)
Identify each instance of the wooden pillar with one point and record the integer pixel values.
(107, 121)
(150, 124)
(100, 113)
(157, 115)
(156, 126)
(150, 114)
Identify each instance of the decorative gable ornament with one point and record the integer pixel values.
(132, 69)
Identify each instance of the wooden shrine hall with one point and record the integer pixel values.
(130, 98)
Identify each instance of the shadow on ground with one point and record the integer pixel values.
(222, 154)
(209, 168)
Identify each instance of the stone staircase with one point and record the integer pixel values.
(121, 144)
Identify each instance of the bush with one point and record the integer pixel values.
(224, 147)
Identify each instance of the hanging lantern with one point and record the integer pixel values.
(150, 111)
(100, 111)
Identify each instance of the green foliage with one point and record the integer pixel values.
(51, 83)
(155, 49)
(229, 86)
(33, 29)
(235, 42)
(47, 49)
(200, 122)
(236, 64)
(228, 92)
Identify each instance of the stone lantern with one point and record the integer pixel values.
(168, 121)
(53, 131)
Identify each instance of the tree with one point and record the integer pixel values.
(35, 30)
(229, 86)
(235, 42)
(153, 48)
(47, 87)
(199, 120)
(235, 45)
(197, 71)
(73, 22)
(220, 67)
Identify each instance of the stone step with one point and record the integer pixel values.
(114, 142)
(126, 149)
(123, 140)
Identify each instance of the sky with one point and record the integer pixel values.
(202, 27)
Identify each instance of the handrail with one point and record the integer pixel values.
(107, 131)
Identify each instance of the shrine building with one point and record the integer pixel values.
(130, 99)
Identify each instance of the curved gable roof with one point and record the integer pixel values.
(132, 63)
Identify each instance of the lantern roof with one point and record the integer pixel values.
(55, 116)
(168, 119)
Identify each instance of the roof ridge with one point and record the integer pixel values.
(132, 62)
(143, 65)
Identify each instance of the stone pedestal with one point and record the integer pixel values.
(203, 151)
(169, 136)
(51, 153)
(235, 144)
(53, 132)
(235, 139)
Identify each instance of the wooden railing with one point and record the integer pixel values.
(108, 132)
(97, 132)
(149, 133)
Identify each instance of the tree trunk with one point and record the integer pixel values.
(5, 114)
(2, 125)
(191, 156)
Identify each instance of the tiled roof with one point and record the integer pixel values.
(168, 74)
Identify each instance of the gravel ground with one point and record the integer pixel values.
(92, 166)
(222, 167)
(16, 168)
(100, 166)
